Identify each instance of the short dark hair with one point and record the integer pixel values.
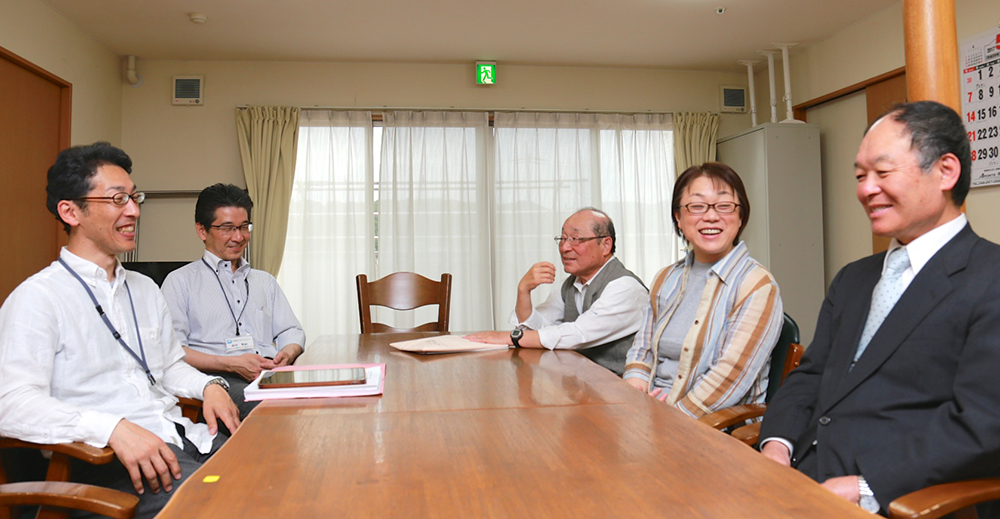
(936, 130)
(71, 176)
(220, 195)
(718, 172)
(603, 226)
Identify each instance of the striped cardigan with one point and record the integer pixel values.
(724, 358)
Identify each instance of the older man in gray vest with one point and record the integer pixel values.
(598, 308)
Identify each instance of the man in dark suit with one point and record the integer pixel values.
(897, 391)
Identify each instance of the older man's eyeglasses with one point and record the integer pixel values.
(574, 241)
(720, 207)
(119, 199)
(228, 229)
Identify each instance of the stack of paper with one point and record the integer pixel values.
(374, 381)
(445, 344)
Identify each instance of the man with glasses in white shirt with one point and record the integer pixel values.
(233, 321)
(605, 300)
(87, 350)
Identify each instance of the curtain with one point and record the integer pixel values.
(330, 224)
(548, 165)
(433, 210)
(694, 140)
(268, 136)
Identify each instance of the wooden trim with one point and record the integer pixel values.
(160, 195)
(857, 87)
(18, 60)
(65, 114)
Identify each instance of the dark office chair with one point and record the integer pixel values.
(56, 495)
(786, 356)
(404, 291)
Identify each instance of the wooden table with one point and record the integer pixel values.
(515, 433)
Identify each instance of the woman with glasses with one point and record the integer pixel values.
(715, 316)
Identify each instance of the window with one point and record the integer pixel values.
(446, 192)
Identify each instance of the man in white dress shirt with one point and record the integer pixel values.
(605, 299)
(233, 321)
(87, 351)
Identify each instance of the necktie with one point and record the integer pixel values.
(884, 297)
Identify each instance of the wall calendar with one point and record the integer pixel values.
(980, 63)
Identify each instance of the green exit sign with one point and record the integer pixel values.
(486, 73)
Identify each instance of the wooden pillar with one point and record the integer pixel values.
(931, 52)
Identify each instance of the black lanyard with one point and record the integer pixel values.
(225, 295)
(111, 327)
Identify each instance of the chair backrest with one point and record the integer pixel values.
(404, 291)
(781, 361)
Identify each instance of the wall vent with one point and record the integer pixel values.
(733, 99)
(189, 90)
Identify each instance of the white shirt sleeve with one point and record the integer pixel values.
(549, 313)
(616, 314)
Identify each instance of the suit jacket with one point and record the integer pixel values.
(922, 405)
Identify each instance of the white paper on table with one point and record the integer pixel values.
(374, 381)
(445, 344)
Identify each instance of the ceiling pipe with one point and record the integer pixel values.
(133, 77)
(786, 68)
(753, 97)
(770, 78)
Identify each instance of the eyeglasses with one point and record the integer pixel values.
(573, 242)
(720, 207)
(228, 229)
(118, 199)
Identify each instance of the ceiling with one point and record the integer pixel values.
(680, 34)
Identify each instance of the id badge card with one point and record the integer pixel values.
(240, 343)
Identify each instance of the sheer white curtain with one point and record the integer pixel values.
(330, 224)
(548, 165)
(434, 207)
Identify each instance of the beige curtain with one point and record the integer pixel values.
(268, 137)
(694, 139)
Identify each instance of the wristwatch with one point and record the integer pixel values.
(217, 381)
(867, 501)
(515, 336)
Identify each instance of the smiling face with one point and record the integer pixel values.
(99, 228)
(901, 201)
(585, 259)
(227, 246)
(711, 234)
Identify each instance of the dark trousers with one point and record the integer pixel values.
(114, 475)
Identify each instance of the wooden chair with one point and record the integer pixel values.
(957, 498)
(404, 291)
(55, 495)
(786, 356)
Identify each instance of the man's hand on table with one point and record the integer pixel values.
(490, 338)
(844, 486)
(248, 365)
(778, 452)
(144, 455)
(287, 355)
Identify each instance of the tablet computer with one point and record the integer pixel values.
(312, 378)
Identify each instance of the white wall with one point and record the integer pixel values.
(867, 49)
(188, 148)
(33, 31)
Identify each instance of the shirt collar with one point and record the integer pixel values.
(91, 272)
(925, 246)
(581, 286)
(724, 267)
(220, 264)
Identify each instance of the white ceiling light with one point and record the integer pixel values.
(198, 18)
